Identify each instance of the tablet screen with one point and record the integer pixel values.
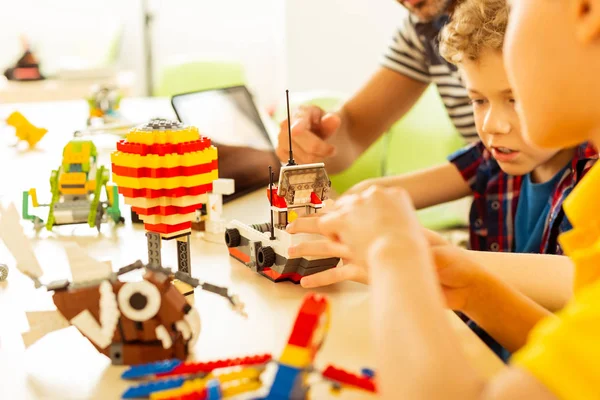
(231, 120)
(228, 116)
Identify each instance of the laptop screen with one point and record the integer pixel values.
(229, 117)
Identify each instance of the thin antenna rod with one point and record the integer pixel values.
(271, 198)
(287, 99)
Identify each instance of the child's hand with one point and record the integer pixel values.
(358, 221)
(459, 276)
(347, 271)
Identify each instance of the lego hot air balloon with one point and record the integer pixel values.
(164, 170)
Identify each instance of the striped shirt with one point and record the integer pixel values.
(414, 52)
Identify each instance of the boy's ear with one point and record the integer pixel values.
(586, 15)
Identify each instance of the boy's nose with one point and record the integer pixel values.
(495, 124)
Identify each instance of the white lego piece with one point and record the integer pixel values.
(144, 288)
(42, 323)
(83, 267)
(223, 186)
(64, 217)
(163, 335)
(109, 310)
(17, 243)
(183, 327)
(283, 240)
(100, 334)
(89, 327)
(193, 320)
(214, 207)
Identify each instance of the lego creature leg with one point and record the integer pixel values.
(154, 253)
(183, 254)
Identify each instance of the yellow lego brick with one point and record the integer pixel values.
(72, 183)
(90, 185)
(73, 191)
(175, 234)
(205, 156)
(186, 134)
(240, 388)
(194, 385)
(165, 183)
(169, 220)
(295, 356)
(166, 201)
(187, 387)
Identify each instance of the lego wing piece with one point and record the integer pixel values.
(42, 323)
(83, 267)
(17, 243)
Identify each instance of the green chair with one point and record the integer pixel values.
(198, 75)
(423, 138)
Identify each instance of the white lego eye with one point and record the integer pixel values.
(139, 301)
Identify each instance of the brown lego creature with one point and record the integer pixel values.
(131, 322)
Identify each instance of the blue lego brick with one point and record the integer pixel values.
(143, 370)
(144, 390)
(213, 390)
(368, 372)
(284, 382)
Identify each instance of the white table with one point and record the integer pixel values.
(64, 365)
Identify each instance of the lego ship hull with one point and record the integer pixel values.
(253, 246)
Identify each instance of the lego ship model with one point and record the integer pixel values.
(130, 322)
(264, 247)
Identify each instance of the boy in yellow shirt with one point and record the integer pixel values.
(552, 55)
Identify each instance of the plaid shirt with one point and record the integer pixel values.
(496, 195)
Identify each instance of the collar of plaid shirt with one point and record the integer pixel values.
(492, 217)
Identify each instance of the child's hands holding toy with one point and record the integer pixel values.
(351, 224)
(358, 223)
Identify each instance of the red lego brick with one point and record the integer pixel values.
(201, 394)
(166, 211)
(166, 229)
(197, 367)
(277, 277)
(238, 254)
(163, 149)
(155, 193)
(349, 379)
(314, 199)
(278, 201)
(165, 172)
(307, 320)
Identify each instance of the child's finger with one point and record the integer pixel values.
(349, 272)
(319, 248)
(308, 224)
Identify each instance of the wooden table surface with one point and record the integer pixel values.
(64, 365)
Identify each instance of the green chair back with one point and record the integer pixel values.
(198, 75)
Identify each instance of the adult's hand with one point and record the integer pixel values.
(311, 127)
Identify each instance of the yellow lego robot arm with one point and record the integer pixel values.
(34, 199)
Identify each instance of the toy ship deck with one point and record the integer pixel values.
(252, 246)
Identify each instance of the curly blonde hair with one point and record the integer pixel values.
(475, 25)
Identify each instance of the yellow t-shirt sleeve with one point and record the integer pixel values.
(563, 351)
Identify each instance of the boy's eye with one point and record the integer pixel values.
(477, 102)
